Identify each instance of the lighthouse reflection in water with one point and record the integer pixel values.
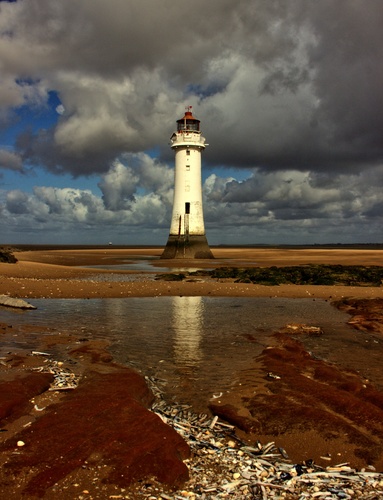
(187, 324)
(196, 345)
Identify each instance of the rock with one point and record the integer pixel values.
(15, 395)
(367, 315)
(7, 256)
(6, 300)
(105, 422)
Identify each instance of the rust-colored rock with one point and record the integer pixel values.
(311, 408)
(367, 314)
(15, 394)
(105, 421)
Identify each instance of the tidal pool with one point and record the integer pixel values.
(199, 346)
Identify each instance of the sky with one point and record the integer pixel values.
(289, 94)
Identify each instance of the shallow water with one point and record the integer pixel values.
(200, 345)
(140, 264)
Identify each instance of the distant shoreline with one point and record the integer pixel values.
(36, 247)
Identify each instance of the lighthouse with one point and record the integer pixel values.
(187, 239)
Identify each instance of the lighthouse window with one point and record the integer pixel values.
(187, 125)
(187, 167)
(188, 152)
(192, 124)
(187, 208)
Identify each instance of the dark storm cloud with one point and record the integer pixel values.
(349, 74)
(317, 108)
(41, 148)
(277, 84)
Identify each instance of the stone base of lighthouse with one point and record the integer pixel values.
(192, 247)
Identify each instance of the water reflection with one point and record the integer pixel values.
(143, 266)
(199, 345)
(187, 324)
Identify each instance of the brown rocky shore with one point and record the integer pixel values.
(98, 438)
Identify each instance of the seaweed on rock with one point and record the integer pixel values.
(309, 274)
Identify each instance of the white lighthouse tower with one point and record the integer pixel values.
(187, 239)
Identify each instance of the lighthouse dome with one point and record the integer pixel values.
(188, 123)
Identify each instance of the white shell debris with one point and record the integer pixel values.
(63, 378)
(222, 466)
(302, 328)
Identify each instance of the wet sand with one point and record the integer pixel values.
(313, 409)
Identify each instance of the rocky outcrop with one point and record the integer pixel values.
(310, 407)
(101, 433)
(16, 395)
(367, 314)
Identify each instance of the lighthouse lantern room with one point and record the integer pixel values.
(187, 239)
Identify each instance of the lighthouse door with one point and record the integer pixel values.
(187, 212)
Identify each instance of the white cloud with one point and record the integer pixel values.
(121, 184)
(138, 193)
(289, 207)
(118, 187)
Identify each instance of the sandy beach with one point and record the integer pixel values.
(63, 273)
(313, 409)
